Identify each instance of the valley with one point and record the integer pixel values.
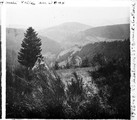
(74, 39)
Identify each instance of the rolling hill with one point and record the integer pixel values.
(120, 31)
(62, 32)
(69, 34)
(102, 33)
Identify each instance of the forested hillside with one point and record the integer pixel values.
(110, 50)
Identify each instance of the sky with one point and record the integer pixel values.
(44, 17)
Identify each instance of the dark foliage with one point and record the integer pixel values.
(111, 99)
(111, 50)
(40, 97)
(75, 97)
(31, 49)
(67, 65)
(85, 62)
(98, 60)
(113, 81)
(56, 66)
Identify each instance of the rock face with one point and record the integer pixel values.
(75, 61)
(40, 64)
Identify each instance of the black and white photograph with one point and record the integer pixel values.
(70, 62)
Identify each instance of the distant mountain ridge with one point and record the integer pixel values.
(120, 31)
(61, 32)
(103, 33)
(69, 34)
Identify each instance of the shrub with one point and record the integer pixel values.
(41, 97)
(113, 81)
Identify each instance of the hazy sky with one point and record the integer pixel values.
(44, 17)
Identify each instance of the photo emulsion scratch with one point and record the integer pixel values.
(68, 62)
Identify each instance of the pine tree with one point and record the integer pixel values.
(31, 49)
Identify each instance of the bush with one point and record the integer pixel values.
(98, 60)
(113, 81)
(85, 62)
(38, 98)
(75, 96)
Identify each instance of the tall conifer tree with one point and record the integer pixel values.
(31, 49)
